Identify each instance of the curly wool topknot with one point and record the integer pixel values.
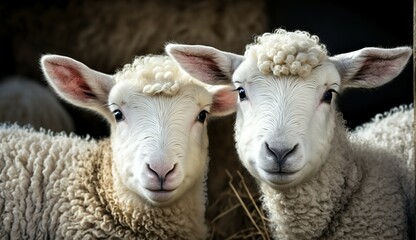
(167, 88)
(284, 53)
(155, 74)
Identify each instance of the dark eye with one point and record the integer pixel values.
(118, 115)
(202, 116)
(241, 93)
(327, 97)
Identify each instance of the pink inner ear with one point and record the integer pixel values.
(376, 71)
(201, 67)
(224, 102)
(70, 81)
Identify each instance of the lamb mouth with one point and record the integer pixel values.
(279, 172)
(161, 195)
(161, 190)
(279, 177)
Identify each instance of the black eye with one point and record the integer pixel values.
(327, 97)
(202, 116)
(241, 93)
(118, 115)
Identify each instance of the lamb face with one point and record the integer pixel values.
(284, 124)
(158, 118)
(159, 142)
(292, 140)
(287, 84)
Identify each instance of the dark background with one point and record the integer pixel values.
(342, 26)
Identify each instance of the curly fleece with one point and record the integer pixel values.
(287, 53)
(394, 130)
(352, 197)
(54, 186)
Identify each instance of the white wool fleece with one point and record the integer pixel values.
(57, 187)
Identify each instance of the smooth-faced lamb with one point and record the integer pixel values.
(315, 182)
(146, 181)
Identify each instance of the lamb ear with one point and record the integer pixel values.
(77, 83)
(224, 100)
(371, 67)
(207, 64)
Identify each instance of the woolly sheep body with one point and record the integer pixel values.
(61, 192)
(146, 181)
(394, 131)
(316, 183)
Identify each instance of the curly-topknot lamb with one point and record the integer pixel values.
(146, 181)
(315, 182)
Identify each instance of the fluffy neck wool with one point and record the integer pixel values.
(305, 211)
(182, 220)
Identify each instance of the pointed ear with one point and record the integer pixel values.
(207, 64)
(371, 67)
(76, 83)
(224, 100)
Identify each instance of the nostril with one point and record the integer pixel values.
(292, 150)
(281, 154)
(153, 171)
(171, 171)
(161, 173)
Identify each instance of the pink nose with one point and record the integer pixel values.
(162, 173)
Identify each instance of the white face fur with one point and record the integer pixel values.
(158, 122)
(284, 125)
(286, 113)
(159, 142)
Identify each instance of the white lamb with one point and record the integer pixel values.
(315, 182)
(144, 182)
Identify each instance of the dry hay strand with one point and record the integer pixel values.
(242, 216)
